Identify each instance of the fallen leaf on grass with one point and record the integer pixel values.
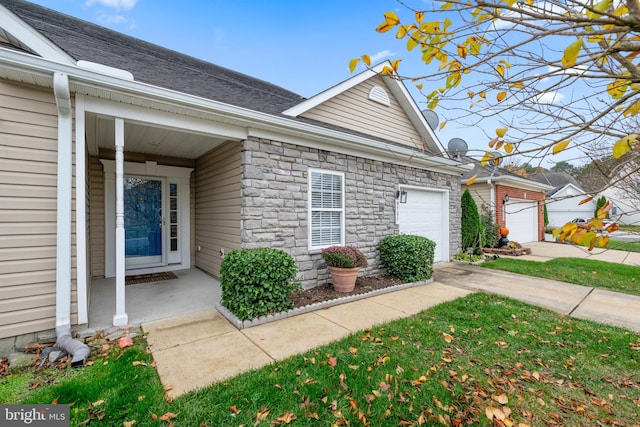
(262, 414)
(286, 418)
(129, 423)
(125, 342)
(138, 363)
(168, 416)
(234, 409)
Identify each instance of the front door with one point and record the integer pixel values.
(144, 222)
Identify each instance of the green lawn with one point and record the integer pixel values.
(619, 245)
(460, 363)
(599, 274)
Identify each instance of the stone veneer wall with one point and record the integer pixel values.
(274, 201)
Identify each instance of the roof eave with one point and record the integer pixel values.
(38, 71)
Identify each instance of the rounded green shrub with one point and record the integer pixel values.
(256, 282)
(408, 257)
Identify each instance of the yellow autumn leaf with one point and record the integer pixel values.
(462, 51)
(487, 156)
(509, 148)
(446, 6)
(366, 59)
(386, 71)
(395, 63)
(500, 70)
(598, 9)
(442, 125)
(419, 86)
(412, 42)
(624, 145)
(603, 241)
(560, 146)
(390, 21)
(419, 16)
(579, 236)
(571, 53)
(501, 132)
(501, 96)
(353, 64)
(402, 31)
(604, 210)
(482, 94)
(518, 85)
(590, 239)
(470, 94)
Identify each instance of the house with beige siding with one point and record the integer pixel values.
(514, 201)
(119, 158)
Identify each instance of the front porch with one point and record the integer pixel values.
(193, 290)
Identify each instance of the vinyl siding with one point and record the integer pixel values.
(96, 217)
(481, 194)
(28, 168)
(354, 110)
(217, 205)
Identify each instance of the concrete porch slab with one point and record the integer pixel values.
(294, 335)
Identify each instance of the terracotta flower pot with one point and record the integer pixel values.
(344, 279)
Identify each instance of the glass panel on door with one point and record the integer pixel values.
(143, 221)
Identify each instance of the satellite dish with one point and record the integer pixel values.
(457, 147)
(496, 158)
(432, 118)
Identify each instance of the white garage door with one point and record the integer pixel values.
(426, 213)
(522, 221)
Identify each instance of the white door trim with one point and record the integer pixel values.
(444, 218)
(172, 174)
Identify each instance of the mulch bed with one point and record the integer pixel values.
(304, 297)
(146, 278)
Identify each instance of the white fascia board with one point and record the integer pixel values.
(32, 38)
(165, 119)
(514, 181)
(259, 123)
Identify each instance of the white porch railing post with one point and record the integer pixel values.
(120, 318)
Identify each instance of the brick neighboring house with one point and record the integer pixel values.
(122, 157)
(515, 202)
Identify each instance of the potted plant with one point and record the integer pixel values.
(344, 263)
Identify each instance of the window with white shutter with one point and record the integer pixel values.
(326, 209)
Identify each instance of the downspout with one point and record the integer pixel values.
(77, 349)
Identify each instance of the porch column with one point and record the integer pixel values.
(120, 318)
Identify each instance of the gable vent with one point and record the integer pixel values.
(379, 95)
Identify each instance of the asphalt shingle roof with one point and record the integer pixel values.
(153, 64)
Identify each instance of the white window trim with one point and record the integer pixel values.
(310, 210)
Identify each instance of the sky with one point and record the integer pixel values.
(303, 46)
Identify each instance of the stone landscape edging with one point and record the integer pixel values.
(242, 324)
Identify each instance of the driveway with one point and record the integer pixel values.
(544, 251)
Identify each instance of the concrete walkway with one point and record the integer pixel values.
(197, 349)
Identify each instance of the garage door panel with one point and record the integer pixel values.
(521, 218)
(424, 215)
